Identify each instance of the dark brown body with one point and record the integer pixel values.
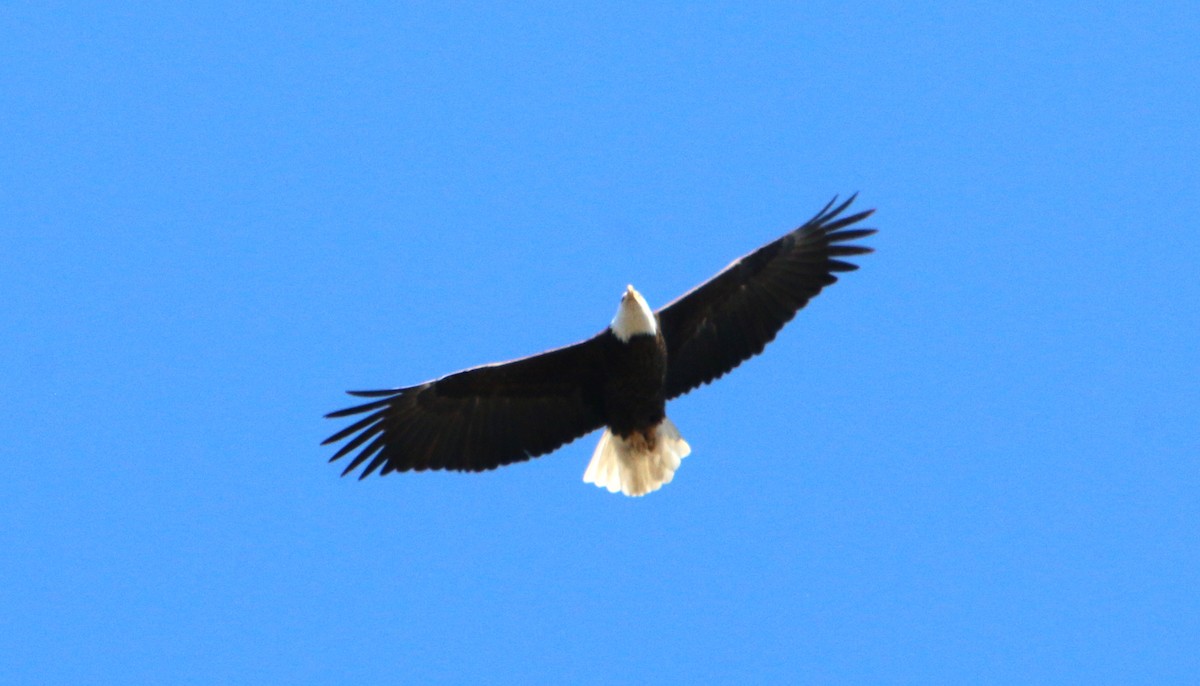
(635, 376)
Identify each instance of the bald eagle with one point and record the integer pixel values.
(621, 379)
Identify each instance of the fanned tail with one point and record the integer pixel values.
(637, 466)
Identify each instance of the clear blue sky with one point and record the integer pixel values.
(975, 460)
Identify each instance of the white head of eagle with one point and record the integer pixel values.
(620, 379)
(634, 316)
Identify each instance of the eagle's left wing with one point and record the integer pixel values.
(731, 317)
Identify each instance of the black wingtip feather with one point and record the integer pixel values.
(825, 209)
(836, 225)
(358, 440)
(380, 459)
(368, 452)
(850, 235)
(848, 250)
(829, 211)
(356, 426)
(359, 409)
(375, 394)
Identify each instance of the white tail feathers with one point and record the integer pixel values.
(635, 465)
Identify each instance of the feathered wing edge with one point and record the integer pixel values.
(477, 419)
(731, 317)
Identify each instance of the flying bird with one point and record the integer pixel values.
(621, 379)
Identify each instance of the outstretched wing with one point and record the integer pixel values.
(731, 317)
(479, 418)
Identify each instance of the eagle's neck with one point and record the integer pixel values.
(634, 317)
